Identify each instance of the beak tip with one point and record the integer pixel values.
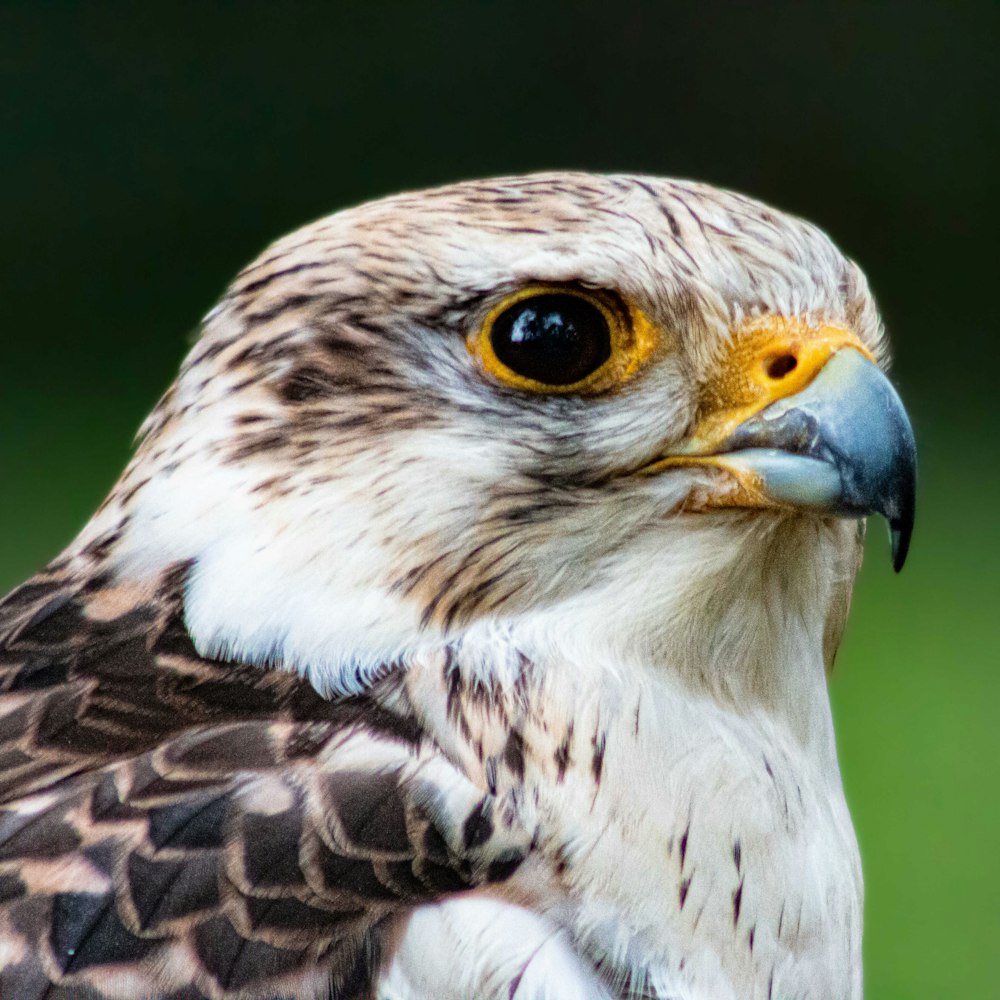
(899, 536)
(901, 502)
(898, 550)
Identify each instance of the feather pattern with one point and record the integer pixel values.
(375, 679)
(170, 824)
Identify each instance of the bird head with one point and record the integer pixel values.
(619, 403)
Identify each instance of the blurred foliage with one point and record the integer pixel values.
(149, 151)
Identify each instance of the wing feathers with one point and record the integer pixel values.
(238, 834)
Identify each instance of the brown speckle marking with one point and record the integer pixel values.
(597, 762)
(478, 827)
(685, 886)
(561, 863)
(513, 754)
(305, 384)
(562, 757)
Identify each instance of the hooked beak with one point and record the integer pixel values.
(835, 439)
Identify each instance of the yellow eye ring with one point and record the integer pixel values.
(561, 339)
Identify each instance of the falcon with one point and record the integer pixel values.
(461, 627)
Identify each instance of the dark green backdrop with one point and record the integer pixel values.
(148, 151)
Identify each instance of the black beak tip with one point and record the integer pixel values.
(899, 534)
(900, 506)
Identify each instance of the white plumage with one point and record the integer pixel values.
(599, 607)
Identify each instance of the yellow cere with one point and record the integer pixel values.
(769, 358)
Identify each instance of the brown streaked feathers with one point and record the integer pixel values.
(363, 628)
(201, 824)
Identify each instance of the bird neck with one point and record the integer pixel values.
(748, 648)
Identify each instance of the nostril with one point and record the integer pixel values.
(779, 367)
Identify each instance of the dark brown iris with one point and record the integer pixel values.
(553, 338)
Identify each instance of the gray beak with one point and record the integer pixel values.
(843, 445)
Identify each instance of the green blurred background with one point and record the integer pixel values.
(148, 151)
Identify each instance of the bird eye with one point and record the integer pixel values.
(560, 339)
(552, 339)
